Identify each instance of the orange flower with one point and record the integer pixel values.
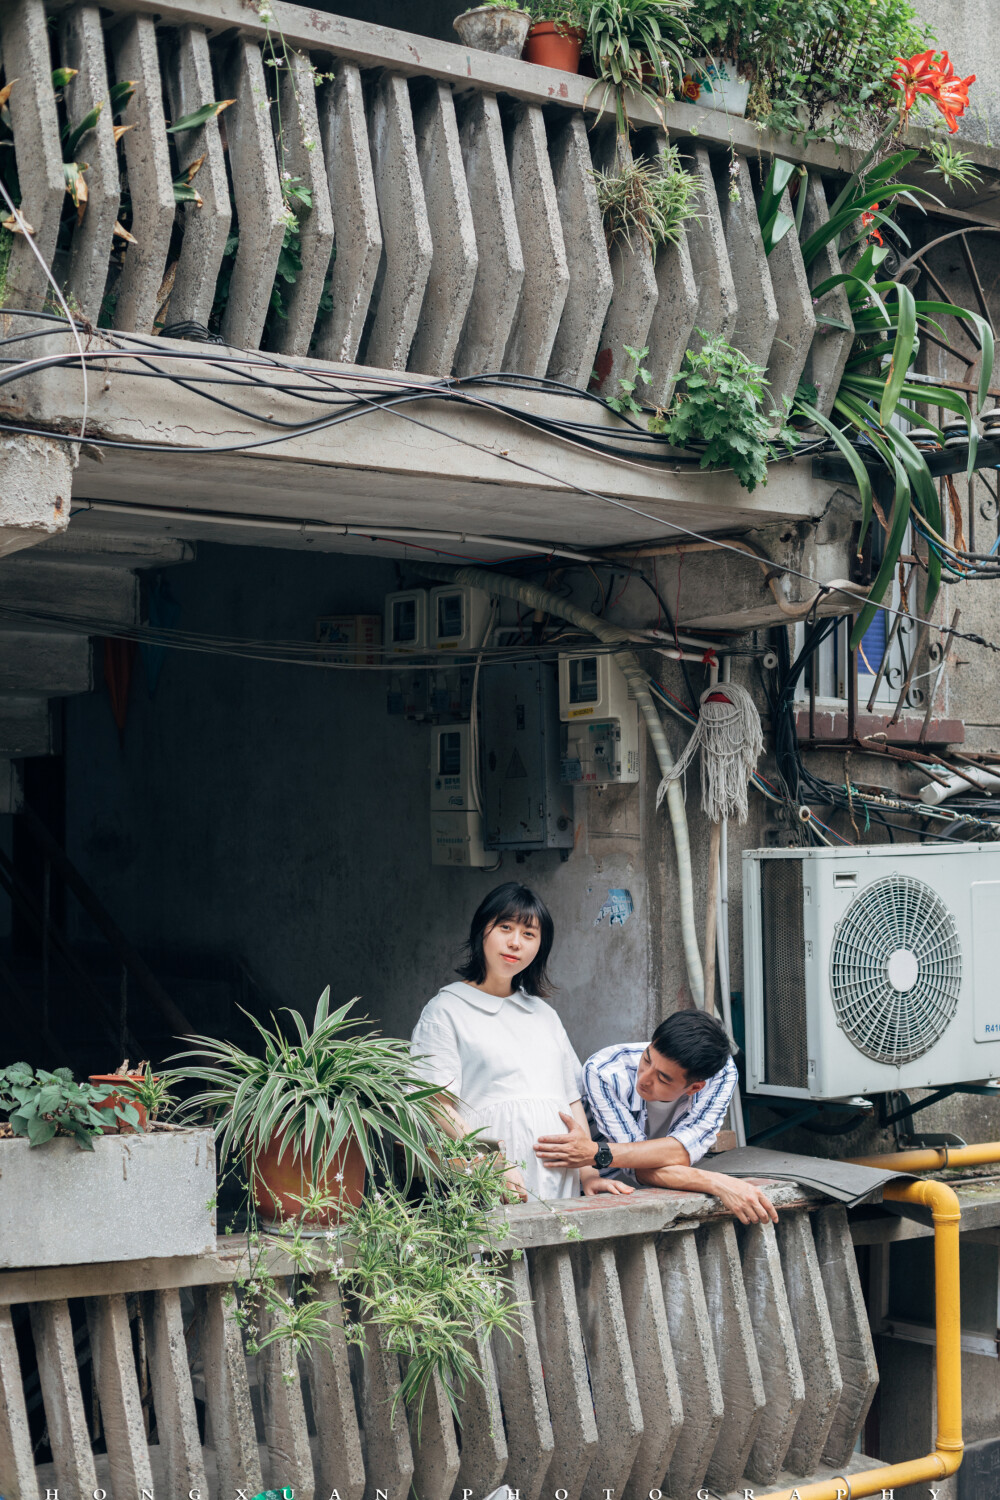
(933, 75)
(869, 218)
(914, 75)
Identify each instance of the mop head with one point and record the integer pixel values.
(729, 735)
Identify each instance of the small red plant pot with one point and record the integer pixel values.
(121, 1089)
(280, 1186)
(552, 44)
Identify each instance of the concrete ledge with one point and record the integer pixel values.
(133, 1197)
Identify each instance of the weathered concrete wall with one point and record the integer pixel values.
(277, 812)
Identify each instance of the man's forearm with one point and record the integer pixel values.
(692, 1179)
(649, 1156)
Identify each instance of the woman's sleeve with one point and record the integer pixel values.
(572, 1068)
(434, 1049)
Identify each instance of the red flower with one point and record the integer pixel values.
(869, 218)
(933, 75)
(914, 75)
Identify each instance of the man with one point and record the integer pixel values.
(655, 1110)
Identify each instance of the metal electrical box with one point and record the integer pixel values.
(525, 805)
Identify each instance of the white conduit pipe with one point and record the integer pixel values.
(638, 680)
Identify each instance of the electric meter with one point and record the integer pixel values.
(406, 622)
(456, 824)
(458, 618)
(595, 702)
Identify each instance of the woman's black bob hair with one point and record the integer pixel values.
(511, 902)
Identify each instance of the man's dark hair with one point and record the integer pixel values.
(696, 1042)
(511, 902)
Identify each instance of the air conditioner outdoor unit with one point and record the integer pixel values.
(870, 969)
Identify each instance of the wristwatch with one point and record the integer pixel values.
(603, 1158)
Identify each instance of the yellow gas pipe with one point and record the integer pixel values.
(947, 1455)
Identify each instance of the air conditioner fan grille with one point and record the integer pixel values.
(896, 970)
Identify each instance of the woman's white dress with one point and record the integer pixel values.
(511, 1065)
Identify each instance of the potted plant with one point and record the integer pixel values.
(42, 1105)
(638, 45)
(311, 1115)
(556, 35)
(148, 1093)
(500, 27)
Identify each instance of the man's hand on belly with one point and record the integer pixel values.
(574, 1149)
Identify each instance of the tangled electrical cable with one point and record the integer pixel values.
(319, 386)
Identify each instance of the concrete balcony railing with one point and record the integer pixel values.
(666, 1350)
(453, 224)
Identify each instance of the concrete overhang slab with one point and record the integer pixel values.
(435, 465)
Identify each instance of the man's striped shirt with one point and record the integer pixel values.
(619, 1113)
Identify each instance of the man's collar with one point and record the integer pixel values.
(490, 1004)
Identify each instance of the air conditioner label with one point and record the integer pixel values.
(985, 960)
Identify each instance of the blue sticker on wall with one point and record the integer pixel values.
(617, 908)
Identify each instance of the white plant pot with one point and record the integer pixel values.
(717, 85)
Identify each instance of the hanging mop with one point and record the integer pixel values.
(730, 738)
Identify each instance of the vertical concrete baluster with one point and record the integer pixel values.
(24, 42)
(653, 1362)
(546, 271)
(675, 313)
(257, 191)
(173, 1396)
(82, 47)
(344, 132)
(285, 1432)
(433, 1445)
(456, 259)
(206, 229)
(617, 1408)
(522, 1391)
(227, 1394)
(302, 158)
(150, 182)
(706, 242)
(17, 1462)
(735, 1353)
(59, 1378)
(816, 1342)
(694, 1354)
(831, 347)
(388, 1454)
(757, 317)
(338, 1443)
(406, 230)
(855, 1350)
(493, 305)
(564, 1362)
(118, 1391)
(796, 319)
(777, 1351)
(484, 1448)
(590, 285)
(634, 289)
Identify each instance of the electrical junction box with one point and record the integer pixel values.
(450, 692)
(458, 618)
(456, 824)
(602, 740)
(871, 969)
(525, 804)
(406, 622)
(407, 694)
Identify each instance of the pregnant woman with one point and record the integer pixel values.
(493, 1042)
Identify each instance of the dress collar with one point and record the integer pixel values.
(491, 1004)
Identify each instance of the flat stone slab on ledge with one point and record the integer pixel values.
(646, 1211)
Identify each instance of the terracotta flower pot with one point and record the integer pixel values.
(552, 44)
(121, 1090)
(490, 28)
(279, 1187)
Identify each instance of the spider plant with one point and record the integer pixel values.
(647, 200)
(873, 396)
(313, 1093)
(638, 45)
